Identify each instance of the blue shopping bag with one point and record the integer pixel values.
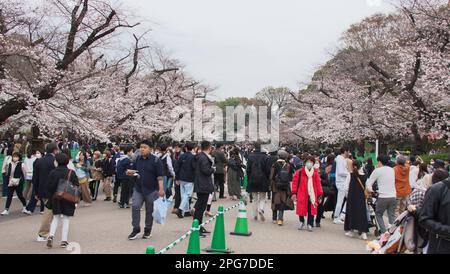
(160, 209)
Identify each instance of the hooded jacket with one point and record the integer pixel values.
(402, 186)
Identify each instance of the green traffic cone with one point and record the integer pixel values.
(150, 250)
(194, 239)
(218, 244)
(241, 228)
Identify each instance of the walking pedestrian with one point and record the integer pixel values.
(16, 179)
(203, 182)
(384, 175)
(356, 211)
(307, 190)
(82, 172)
(61, 209)
(342, 175)
(258, 173)
(108, 172)
(185, 179)
(124, 164)
(96, 174)
(280, 182)
(149, 186)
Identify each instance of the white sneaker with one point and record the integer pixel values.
(302, 225)
(338, 221)
(364, 236)
(87, 205)
(349, 234)
(25, 211)
(310, 228)
(5, 213)
(41, 239)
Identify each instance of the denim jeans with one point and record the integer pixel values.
(168, 186)
(186, 189)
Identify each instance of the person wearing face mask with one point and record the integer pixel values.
(15, 181)
(307, 189)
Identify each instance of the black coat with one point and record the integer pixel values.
(60, 206)
(259, 183)
(356, 211)
(41, 172)
(203, 182)
(220, 161)
(108, 167)
(435, 217)
(184, 167)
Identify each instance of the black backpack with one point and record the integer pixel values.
(257, 171)
(283, 178)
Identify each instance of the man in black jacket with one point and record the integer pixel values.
(41, 172)
(185, 170)
(435, 217)
(258, 172)
(203, 182)
(220, 162)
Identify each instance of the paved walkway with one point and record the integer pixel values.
(103, 228)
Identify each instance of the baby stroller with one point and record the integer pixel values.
(400, 237)
(371, 207)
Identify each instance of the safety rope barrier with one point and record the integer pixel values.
(187, 234)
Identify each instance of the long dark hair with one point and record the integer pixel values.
(423, 170)
(356, 166)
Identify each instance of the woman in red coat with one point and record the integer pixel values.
(307, 187)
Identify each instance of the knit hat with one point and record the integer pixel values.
(283, 154)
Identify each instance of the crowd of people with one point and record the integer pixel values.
(195, 176)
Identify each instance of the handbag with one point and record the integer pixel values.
(67, 191)
(366, 192)
(289, 203)
(14, 182)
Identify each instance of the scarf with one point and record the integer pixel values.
(311, 194)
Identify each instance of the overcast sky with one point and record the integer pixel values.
(241, 46)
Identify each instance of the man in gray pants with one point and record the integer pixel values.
(148, 170)
(385, 178)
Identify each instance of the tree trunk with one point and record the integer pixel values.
(420, 144)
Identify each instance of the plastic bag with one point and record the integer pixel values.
(160, 209)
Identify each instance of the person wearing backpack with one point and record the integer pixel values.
(123, 164)
(280, 178)
(60, 206)
(307, 189)
(258, 173)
